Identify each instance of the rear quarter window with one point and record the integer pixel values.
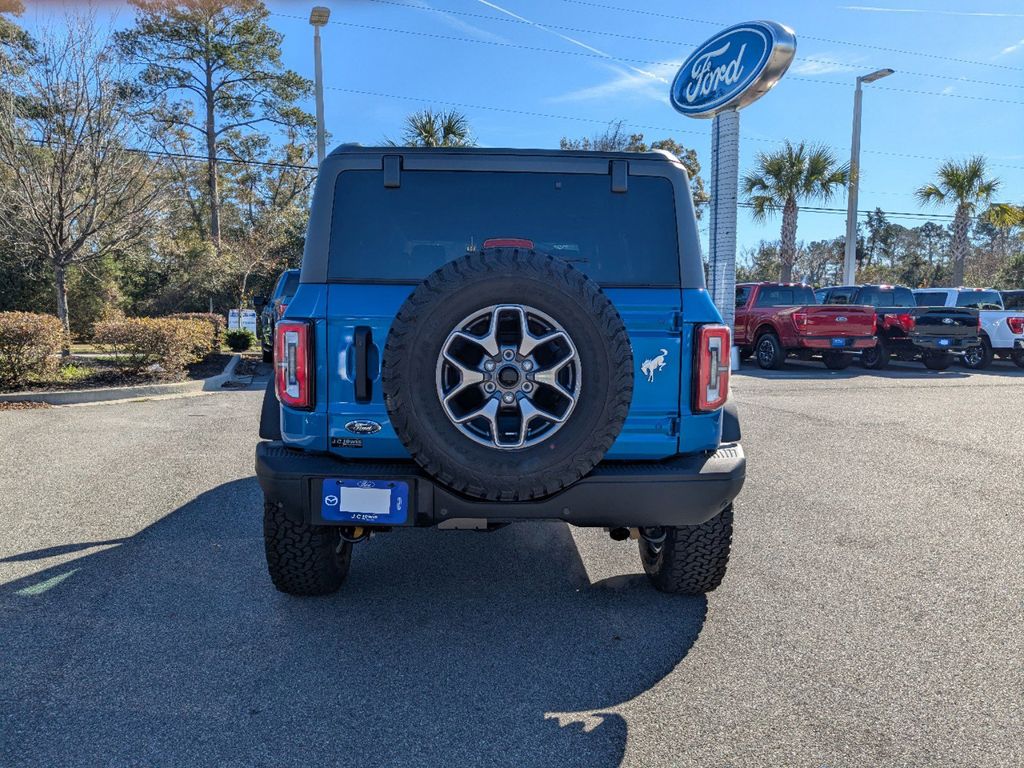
(785, 296)
(887, 297)
(979, 300)
(930, 299)
(1013, 300)
(402, 234)
(289, 284)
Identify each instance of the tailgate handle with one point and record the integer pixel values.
(362, 339)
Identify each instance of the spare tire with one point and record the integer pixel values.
(507, 374)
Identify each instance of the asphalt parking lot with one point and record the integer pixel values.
(872, 614)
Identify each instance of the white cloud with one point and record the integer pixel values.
(881, 9)
(572, 41)
(462, 26)
(624, 83)
(947, 90)
(1012, 48)
(811, 67)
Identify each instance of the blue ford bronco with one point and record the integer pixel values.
(481, 337)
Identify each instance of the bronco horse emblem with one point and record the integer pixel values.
(656, 363)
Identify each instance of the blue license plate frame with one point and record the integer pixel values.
(364, 501)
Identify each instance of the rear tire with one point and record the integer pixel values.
(876, 358)
(769, 351)
(837, 361)
(303, 559)
(978, 358)
(693, 559)
(937, 361)
(1018, 357)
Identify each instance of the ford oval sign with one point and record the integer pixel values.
(734, 68)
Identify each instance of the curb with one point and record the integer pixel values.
(79, 396)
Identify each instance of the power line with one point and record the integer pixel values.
(181, 155)
(596, 121)
(919, 216)
(662, 41)
(603, 57)
(807, 37)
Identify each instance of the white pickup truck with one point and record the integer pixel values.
(1001, 332)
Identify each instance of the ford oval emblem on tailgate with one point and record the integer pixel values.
(360, 427)
(948, 320)
(841, 319)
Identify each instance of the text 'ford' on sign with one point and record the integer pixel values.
(734, 68)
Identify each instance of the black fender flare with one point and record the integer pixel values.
(730, 422)
(270, 415)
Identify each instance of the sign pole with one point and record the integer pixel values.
(734, 68)
(725, 170)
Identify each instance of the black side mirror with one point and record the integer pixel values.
(259, 301)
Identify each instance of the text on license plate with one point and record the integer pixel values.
(838, 342)
(382, 502)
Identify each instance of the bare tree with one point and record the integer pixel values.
(79, 192)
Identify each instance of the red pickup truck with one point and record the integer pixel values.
(774, 320)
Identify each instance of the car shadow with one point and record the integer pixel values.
(443, 648)
(798, 369)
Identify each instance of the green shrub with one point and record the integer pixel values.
(240, 339)
(217, 323)
(30, 346)
(140, 343)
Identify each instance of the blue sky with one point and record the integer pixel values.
(527, 72)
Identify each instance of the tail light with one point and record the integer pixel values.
(293, 370)
(800, 320)
(906, 322)
(1016, 324)
(281, 307)
(714, 344)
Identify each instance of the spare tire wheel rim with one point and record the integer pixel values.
(508, 376)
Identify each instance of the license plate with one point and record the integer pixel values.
(372, 502)
(838, 342)
(944, 342)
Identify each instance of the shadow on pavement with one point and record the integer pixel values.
(63, 549)
(443, 649)
(896, 370)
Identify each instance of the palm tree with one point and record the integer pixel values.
(428, 128)
(786, 178)
(963, 184)
(1004, 217)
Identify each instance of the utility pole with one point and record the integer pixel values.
(318, 17)
(850, 262)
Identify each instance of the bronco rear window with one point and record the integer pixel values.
(402, 234)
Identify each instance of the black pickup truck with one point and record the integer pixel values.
(909, 332)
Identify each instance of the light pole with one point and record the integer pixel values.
(318, 17)
(850, 263)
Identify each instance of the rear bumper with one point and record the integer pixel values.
(686, 490)
(825, 342)
(955, 345)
